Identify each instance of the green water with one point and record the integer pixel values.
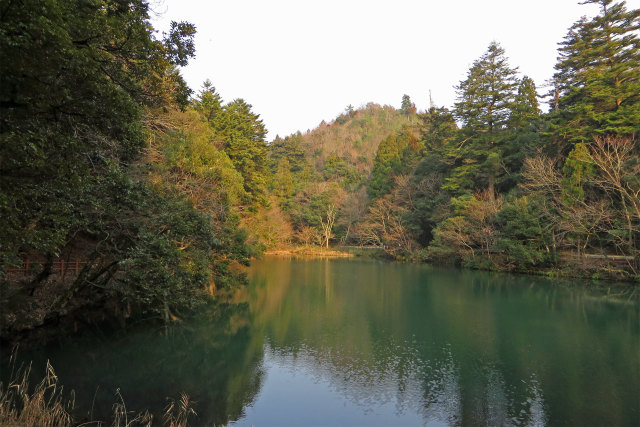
(349, 342)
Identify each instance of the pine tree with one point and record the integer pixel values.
(243, 133)
(208, 102)
(407, 107)
(525, 107)
(486, 96)
(598, 76)
(485, 101)
(523, 136)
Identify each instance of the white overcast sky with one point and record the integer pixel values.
(299, 62)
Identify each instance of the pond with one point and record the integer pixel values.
(362, 342)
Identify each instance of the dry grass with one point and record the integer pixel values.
(45, 405)
(177, 414)
(309, 252)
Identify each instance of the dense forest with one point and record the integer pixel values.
(125, 194)
(494, 182)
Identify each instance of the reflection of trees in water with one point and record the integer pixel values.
(442, 399)
(455, 347)
(213, 358)
(430, 387)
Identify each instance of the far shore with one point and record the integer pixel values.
(309, 252)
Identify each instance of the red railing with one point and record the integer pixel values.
(59, 266)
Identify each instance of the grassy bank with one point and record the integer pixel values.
(309, 252)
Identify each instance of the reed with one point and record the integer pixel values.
(46, 406)
(42, 407)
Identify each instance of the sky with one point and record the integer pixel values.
(299, 62)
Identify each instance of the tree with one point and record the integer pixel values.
(242, 134)
(471, 230)
(439, 132)
(571, 216)
(597, 77)
(486, 96)
(387, 159)
(290, 148)
(407, 107)
(619, 177)
(485, 101)
(208, 102)
(283, 182)
(396, 154)
(326, 223)
(525, 108)
(523, 234)
(523, 135)
(74, 79)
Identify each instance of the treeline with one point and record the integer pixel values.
(496, 183)
(110, 166)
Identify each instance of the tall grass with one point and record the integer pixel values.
(42, 407)
(45, 405)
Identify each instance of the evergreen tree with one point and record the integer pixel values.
(486, 96)
(523, 135)
(485, 101)
(598, 76)
(407, 107)
(525, 107)
(396, 154)
(208, 103)
(243, 137)
(387, 159)
(290, 148)
(439, 133)
(283, 181)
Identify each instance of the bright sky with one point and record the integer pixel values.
(299, 62)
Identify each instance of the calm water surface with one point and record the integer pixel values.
(351, 342)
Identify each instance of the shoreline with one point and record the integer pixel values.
(308, 252)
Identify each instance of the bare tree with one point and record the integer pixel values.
(619, 176)
(326, 224)
(307, 234)
(614, 198)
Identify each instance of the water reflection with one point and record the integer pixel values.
(216, 359)
(451, 347)
(360, 342)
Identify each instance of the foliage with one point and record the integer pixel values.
(485, 102)
(102, 159)
(597, 83)
(242, 135)
(523, 236)
(73, 80)
(407, 107)
(396, 155)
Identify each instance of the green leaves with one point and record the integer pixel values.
(597, 79)
(179, 44)
(486, 96)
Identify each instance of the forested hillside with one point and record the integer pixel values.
(319, 179)
(494, 182)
